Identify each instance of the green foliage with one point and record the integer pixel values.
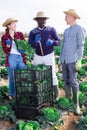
(4, 73)
(82, 98)
(82, 73)
(41, 67)
(60, 80)
(84, 61)
(61, 83)
(29, 125)
(64, 103)
(82, 123)
(4, 88)
(57, 50)
(29, 52)
(19, 124)
(51, 113)
(23, 45)
(83, 86)
(3, 109)
(85, 47)
(7, 113)
(4, 93)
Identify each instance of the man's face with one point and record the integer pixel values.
(41, 22)
(69, 18)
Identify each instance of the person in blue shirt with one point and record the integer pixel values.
(43, 39)
(71, 55)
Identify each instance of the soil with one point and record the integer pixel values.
(69, 119)
(69, 122)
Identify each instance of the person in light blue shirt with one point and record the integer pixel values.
(71, 55)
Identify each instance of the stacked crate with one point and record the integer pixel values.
(33, 91)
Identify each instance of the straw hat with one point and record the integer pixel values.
(72, 12)
(40, 14)
(8, 21)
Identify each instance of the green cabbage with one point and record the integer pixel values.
(64, 103)
(83, 86)
(51, 113)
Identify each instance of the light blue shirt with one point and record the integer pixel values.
(73, 44)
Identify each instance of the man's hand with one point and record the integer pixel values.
(37, 38)
(49, 42)
(78, 65)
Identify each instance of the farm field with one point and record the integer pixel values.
(69, 119)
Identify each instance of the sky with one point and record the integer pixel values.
(26, 10)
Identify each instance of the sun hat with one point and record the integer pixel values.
(40, 14)
(72, 12)
(8, 21)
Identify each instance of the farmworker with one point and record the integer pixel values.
(71, 55)
(15, 59)
(43, 39)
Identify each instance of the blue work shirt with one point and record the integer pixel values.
(73, 44)
(46, 33)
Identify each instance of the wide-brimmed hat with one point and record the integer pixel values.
(40, 14)
(8, 21)
(72, 12)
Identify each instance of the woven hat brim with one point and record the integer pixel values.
(72, 13)
(8, 22)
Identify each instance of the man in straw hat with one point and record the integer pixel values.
(15, 59)
(71, 55)
(43, 39)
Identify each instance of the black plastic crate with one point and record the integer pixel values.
(30, 74)
(30, 81)
(23, 112)
(33, 88)
(45, 85)
(34, 100)
(26, 112)
(43, 74)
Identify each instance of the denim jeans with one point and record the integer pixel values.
(15, 62)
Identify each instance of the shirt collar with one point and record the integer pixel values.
(40, 28)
